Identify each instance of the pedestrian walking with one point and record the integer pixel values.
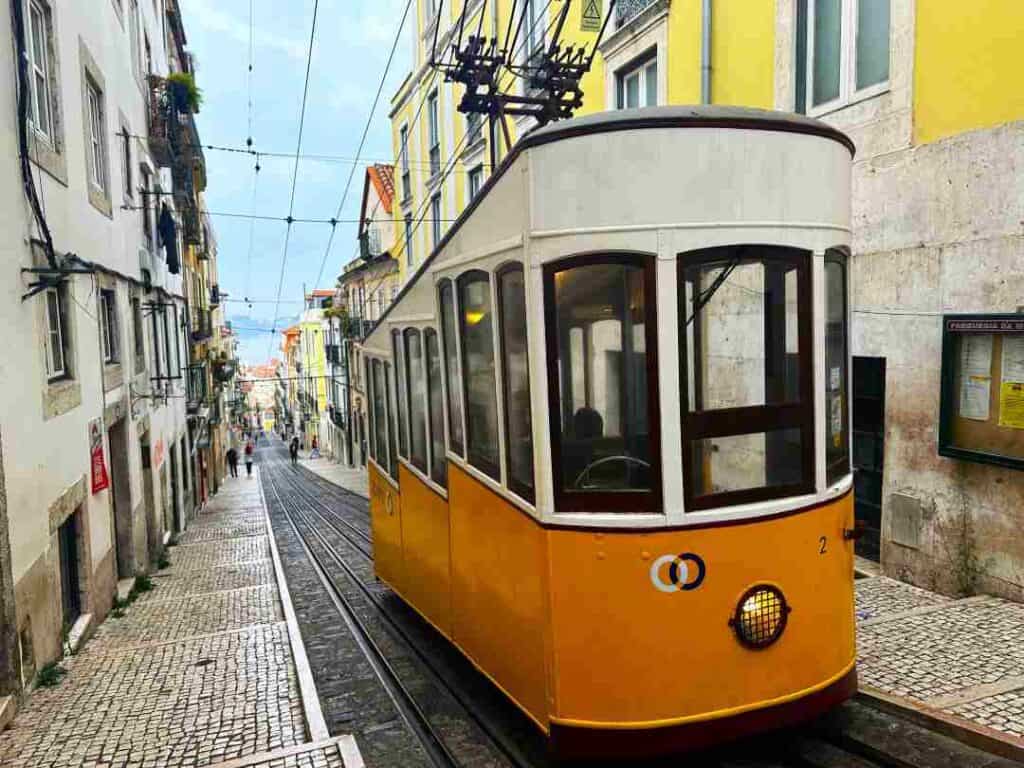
(233, 461)
(314, 452)
(248, 458)
(293, 450)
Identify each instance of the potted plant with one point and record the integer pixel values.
(185, 94)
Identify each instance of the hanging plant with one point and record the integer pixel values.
(186, 95)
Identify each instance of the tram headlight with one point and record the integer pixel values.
(760, 616)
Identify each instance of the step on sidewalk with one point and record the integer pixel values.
(957, 663)
(207, 669)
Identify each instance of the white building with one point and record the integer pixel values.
(97, 323)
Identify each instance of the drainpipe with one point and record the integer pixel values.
(705, 53)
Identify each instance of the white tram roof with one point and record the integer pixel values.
(505, 207)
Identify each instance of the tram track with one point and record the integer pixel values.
(346, 550)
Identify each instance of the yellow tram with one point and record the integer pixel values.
(610, 429)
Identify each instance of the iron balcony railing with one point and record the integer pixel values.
(214, 295)
(625, 10)
(202, 325)
(332, 351)
(195, 386)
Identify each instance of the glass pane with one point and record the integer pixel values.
(417, 396)
(602, 359)
(43, 115)
(403, 414)
(872, 42)
(743, 344)
(651, 84)
(800, 100)
(633, 90)
(438, 460)
(745, 462)
(837, 450)
(452, 369)
(516, 374)
(392, 454)
(478, 357)
(379, 417)
(56, 344)
(827, 43)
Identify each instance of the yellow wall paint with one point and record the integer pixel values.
(743, 52)
(968, 61)
(683, 57)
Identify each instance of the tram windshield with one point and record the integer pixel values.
(601, 318)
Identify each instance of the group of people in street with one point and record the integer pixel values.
(249, 451)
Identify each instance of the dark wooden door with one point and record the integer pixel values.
(70, 586)
(868, 450)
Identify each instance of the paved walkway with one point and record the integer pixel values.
(200, 671)
(355, 480)
(955, 658)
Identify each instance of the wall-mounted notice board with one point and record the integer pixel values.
(982, 413)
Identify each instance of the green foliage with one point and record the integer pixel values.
(142, 584)
(187, 82)
(50, 675)
(163, 562)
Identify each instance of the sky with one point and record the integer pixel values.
(350, 49)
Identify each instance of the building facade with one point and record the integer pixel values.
(937, 206)
(100, 202)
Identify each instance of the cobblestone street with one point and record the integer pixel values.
(198, 672)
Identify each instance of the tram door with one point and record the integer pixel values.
(868, 450)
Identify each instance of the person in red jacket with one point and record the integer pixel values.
(248, 458)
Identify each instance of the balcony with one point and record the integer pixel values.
(215, 414)
(627, 10)
(191, 230)
(195, 386)
(202, 325)
(164, 135)
(215, 295)
(333, 353)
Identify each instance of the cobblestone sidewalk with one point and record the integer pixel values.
(198, 672)
(963, 658)
(349, 478)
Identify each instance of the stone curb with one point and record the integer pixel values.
(345, 746)
(307, 686)
(957, 728)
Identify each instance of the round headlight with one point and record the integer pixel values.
(760, 616)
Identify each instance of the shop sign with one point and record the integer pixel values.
(100, 479)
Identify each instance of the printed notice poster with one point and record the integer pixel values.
(975, 375)
(1013, 359)
(1011, 405)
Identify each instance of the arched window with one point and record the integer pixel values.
(417, 391)
(601, 336)
(515, 374)
(746, 374)
(435, 408)
(453, 376)
(476, 331)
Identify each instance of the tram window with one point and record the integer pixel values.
(837, 439)
(371, 433)
(392, 454)
(403, 415)
(748, 414)
(451, 354)
(603, 390)
(417, 399)
(481, 397)
(516, 378)
(380, 435)
(435, 407)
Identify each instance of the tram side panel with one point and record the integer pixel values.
(386, 524)
(426, 547)
(633, 649)
(499, 567)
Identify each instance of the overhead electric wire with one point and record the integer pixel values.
(362, 140)
(298, 149)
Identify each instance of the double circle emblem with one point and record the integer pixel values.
(685, 572)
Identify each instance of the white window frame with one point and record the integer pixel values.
(148, 229)
(434, 132)
(108, 326)
(403, 152)
(39, 63)
(476, 181)
(640, 70)
(848, 93)
(435, 220)
(54, 371)
(408, 240)
(134, 31)
(97, 145)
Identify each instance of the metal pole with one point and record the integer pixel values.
(705, 53)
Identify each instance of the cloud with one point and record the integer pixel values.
(216, 20)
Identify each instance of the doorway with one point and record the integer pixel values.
(153, 539)
(868, 451)
(70, 581)
(175, 492)
(121, 496)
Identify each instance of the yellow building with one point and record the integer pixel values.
(927, 92)
(312, 365)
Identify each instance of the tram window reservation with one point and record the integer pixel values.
(451, 354)
(481, 397)
(837, 439)
(403, 397)
(417, 399)
(392, 454)
(380, 417)
(745, 336)
(516, 379)
(435, 405)
(602, 333)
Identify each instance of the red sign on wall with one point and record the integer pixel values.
(100, 480)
